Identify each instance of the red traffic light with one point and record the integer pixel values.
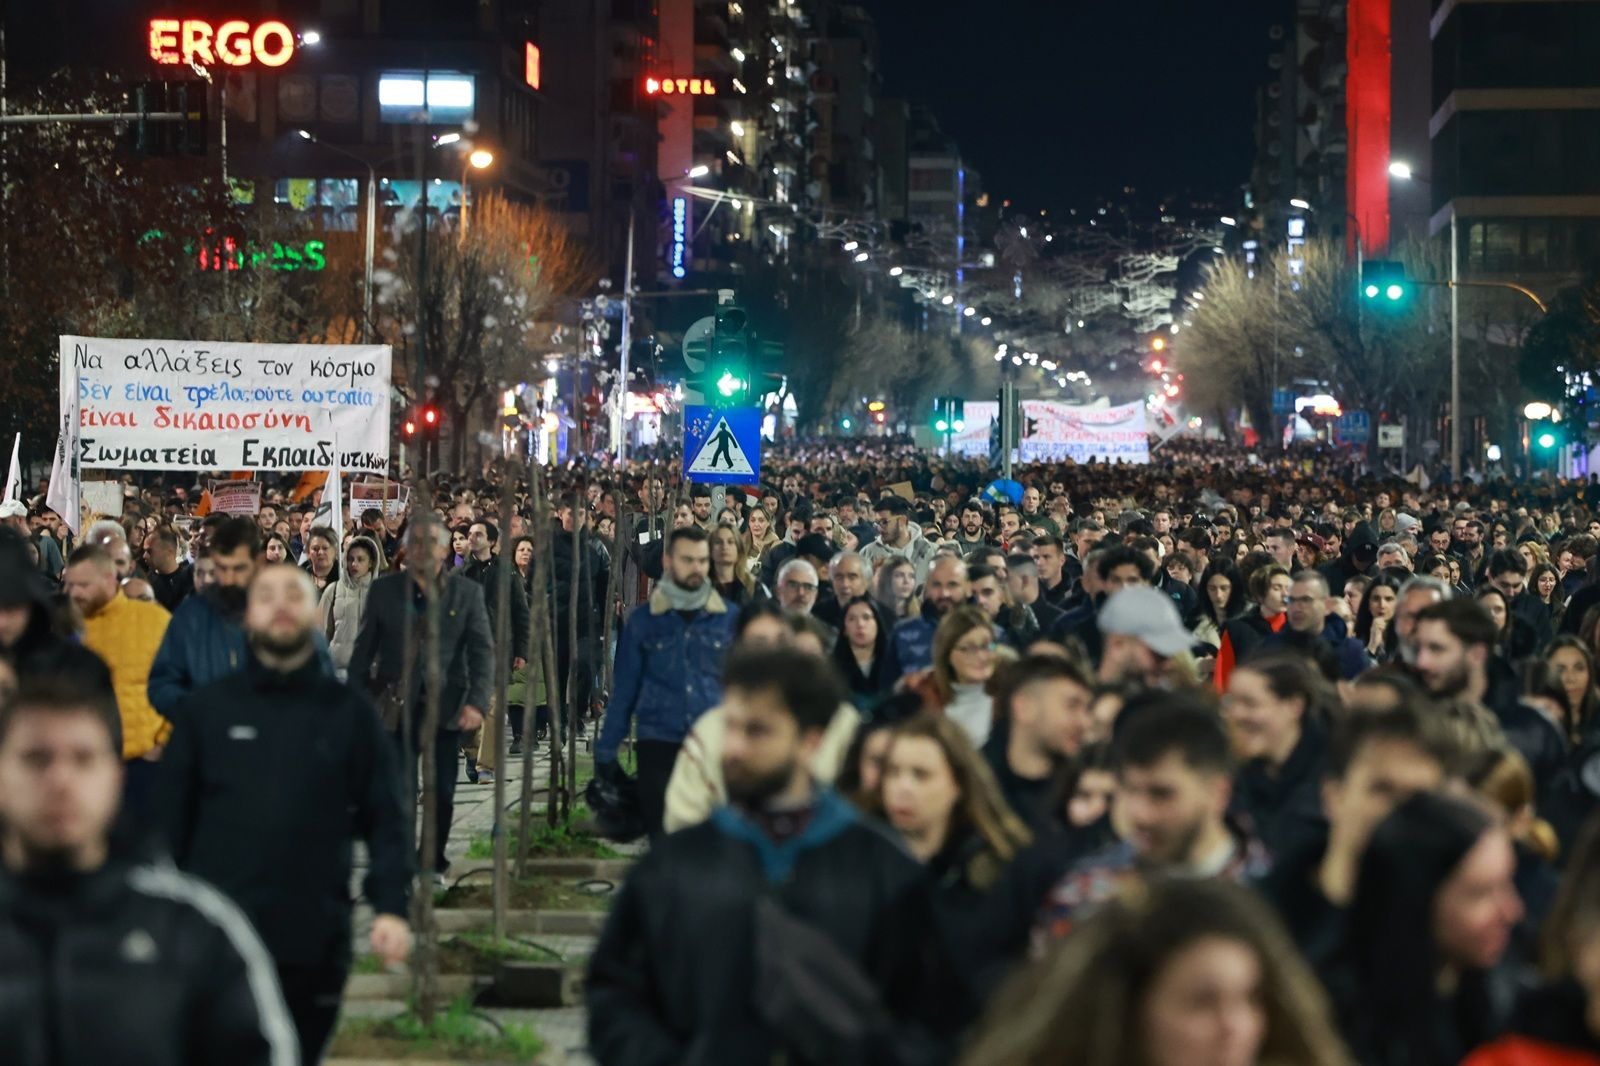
(430, 415)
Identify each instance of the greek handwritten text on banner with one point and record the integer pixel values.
(200, 405)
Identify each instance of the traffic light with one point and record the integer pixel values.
(1546, 436)
(431, 420)
(845, 423)
(1384, 281)
(728, 370)
(949, 414)
(184, 136)
(409, 429)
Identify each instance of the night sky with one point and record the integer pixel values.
(1056, 102)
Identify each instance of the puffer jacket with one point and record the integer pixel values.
(668, 672)
(135, 963)
(343, 603)
(127, 635)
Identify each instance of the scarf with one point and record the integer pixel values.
(682, 599)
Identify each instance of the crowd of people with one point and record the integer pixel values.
(1221, 759)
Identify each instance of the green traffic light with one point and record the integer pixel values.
(941, 425)
(1547, 440)
(1372, 292)
(845, 423)
(1394, 292)
(959, 425)
(729, 385)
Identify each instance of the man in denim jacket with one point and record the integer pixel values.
(668, 669)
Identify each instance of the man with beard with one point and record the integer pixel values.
(971, 535)
(205, 640)
(127, 635)
(390, 646)
(1174, 782)
(1455, 659)
(101, 958)
(668, 669)
(285, 749)
(911, 643)
(692, 967)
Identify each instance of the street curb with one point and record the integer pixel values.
(553, 923)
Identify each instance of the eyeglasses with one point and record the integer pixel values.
(973, 649)
(799, 586)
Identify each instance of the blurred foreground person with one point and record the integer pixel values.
(1416, 980)
(103, 961)
(270, 777)
(785, 928)
(1174, 973)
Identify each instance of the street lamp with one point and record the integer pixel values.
(1401, 170)
(1537, 411)
(698, 172)
(477, 159)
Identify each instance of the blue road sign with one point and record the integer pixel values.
(722, 445)
(1354, 425)
(1283, 401)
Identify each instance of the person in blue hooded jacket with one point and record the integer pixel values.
(205, 641)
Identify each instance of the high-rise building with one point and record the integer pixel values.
(1515, 125)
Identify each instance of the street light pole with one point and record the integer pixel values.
(1455, 351)
(372, 230)
(623, 370)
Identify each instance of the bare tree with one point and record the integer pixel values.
(1229, 355)
(478, 304)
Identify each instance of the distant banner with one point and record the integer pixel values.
(1057, 432)
(236, 497)
(199, 405)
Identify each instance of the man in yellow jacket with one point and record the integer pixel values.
(127, 634)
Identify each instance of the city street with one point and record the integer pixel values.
(1057, 534)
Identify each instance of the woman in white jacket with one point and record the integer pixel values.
(345, 600)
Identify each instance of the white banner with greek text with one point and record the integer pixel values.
(1054, 432)
(199, 405)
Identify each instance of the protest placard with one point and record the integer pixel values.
(200, 405)
(236, 497)
(375, 495)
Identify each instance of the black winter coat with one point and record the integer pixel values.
(593, 575)
(671, 979)
(1285, 808)
(486, 575)
(134, 965)
(267, 780)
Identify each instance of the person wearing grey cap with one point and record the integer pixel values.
(1141, 632)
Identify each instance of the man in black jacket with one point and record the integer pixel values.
(483, 566)
(696, 963)
(270, 776)
(102, 959)
(592, 577)
(388, 642)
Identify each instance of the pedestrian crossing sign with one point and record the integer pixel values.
(722, 446)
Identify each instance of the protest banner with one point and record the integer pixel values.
(375, 495)
(1056, 432)
(236, 497)
(200, 405)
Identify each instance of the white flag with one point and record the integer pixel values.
(14, 475)
(330, 511)
(64, 494)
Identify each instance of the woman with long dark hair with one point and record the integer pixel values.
(1375, 614)
(1222, 599)
(1432, 915)
(861, 652)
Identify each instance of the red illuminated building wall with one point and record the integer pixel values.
(1367, 118)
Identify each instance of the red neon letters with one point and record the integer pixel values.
(234, 43)
(680, 86)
